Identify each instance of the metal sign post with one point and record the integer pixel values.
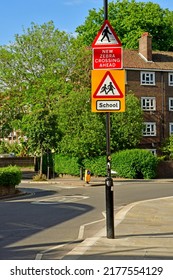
(108, 181)
(108, 95)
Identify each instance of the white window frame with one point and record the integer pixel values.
(170, 128)
(148, 78)
(150, 129)
(170, 103)
(170, 79)
(148, 103)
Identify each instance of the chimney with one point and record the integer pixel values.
(145, 46)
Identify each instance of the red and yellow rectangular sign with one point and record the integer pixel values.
(108, 91)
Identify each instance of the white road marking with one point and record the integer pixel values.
(82, 228)
(84, 246)
(59, 199)
(40, 255)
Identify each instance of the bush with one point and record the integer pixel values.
(70, 165)
(96, 165)
(65, 164)
(135, 164)
(10, 176)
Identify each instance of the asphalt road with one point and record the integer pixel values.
(128, 192)
(51, 220)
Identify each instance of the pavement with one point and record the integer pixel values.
(143, 230)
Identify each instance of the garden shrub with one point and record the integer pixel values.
(135, 164)
(96, 165)
(10, 176)
(65, 164)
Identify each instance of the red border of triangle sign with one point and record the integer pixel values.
(108, 84)
(110, 36)
(107, 56)
(107, 49)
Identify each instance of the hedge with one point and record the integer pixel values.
(65, 164)
(70, 165)
(96, 165)
(10, 176)
(136, 164)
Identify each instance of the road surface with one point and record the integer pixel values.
(51, 219)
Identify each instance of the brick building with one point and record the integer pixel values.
(149, 74)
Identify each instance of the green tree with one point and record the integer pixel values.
(130, 19)
(126, 128)
(45, 87)
(43, 135)
(83, 131)
(34, 69)
(42, 67)
(34, 72)
(167, 148)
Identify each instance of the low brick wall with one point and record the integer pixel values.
(7, 191)
(165, 169)
(18, 161)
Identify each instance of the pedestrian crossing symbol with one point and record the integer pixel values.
(106, 37)
(108, 88)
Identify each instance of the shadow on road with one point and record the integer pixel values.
(22, 220)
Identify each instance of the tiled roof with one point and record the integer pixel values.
(160, 60)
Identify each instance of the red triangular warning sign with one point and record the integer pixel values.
(108, 88)
(106, 37)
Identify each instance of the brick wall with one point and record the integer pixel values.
(7, 190)
(162, 116)
(18, 161)
(165, 169)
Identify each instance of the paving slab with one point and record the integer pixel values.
(144, 230)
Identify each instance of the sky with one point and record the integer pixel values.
(17, 15)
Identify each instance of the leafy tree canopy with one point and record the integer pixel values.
(45, 92)
(84, 133)
(167, 148)
(42, 65)
(130, 19)
(126, 130)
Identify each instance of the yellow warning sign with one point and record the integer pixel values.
(108, 91)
